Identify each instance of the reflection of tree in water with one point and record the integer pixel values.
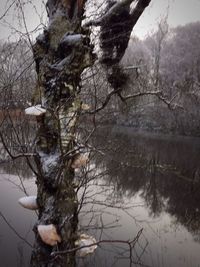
(18, 138)
(151, 193)
(164, 171)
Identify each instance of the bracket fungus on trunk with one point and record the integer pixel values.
(85, 107)
(48, 234)
(29, 202)
(80, 160)
(85, 241)
(35, 110)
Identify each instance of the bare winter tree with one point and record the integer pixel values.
(61, 53)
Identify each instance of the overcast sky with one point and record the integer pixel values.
(180, 12)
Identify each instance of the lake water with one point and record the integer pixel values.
(143, 182)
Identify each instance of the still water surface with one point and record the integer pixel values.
(143, 181)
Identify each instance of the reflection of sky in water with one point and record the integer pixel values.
(22, 220)
(169, 242)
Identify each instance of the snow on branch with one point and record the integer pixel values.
(135, 14)
(113, 10)
(35, 110)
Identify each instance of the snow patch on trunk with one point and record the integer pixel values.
(49, 161)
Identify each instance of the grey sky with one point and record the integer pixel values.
(34, 14)
(180, 12)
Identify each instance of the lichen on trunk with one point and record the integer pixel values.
(61, 54)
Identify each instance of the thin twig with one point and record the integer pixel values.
(129, 242)
(13, 229)
(5, 13)
(17, 155)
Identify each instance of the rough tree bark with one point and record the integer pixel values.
(61, 54)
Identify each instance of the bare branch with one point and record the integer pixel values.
(7, 10)
(141, 94)
(136, 67)
(25, 25)
(135, 14)
(131, 243)
(158, 94)
(104, 104)
(169, 102)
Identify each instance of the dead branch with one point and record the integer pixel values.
(7, 10)
(157, 94)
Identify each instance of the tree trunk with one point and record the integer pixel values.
(61, 54)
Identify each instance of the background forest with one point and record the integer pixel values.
(163, 71)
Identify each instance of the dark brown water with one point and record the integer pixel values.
(148, 182)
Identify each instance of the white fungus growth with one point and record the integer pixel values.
(85, 106)
(35, 110)
(85, 240)
(80, 160)
(29, 202)
(49, 234)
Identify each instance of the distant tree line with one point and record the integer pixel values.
(168, 62)
(162, 93)
(17, 75)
